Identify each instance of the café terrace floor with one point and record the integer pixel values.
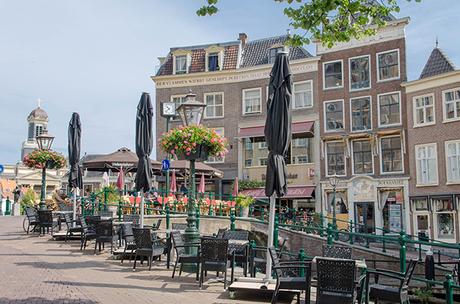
(41, 270)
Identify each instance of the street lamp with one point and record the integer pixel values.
(44, 142)
(191, 114)
(334, 181)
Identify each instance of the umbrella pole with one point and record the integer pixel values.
(74, 206)
(142, 209)
(271, 227)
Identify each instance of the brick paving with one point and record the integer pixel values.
(40, 270)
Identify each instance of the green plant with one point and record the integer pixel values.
(244, 200)
(113, 194)
(423, 294)
(28, 199)
(39, 158)
(250, 184)
(186, 140)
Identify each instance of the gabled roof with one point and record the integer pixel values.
(438, 63)
(256, 52)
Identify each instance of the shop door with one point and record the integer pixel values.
(365, 217)
(422, 226)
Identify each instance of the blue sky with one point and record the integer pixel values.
(96, 57)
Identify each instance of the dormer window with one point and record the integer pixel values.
(181, 64)
(213, 62)
(272, 54)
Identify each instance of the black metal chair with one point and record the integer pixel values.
(289, 276)
(45, 218)
(88, 233)
(336, 281)
(258, 257)
(238, 253)
(127, 235)
(214, 257)
(71, 229)
(32, 219)
(179, 226)
(182, 256)
(339, 252)
(104, 234)
(220, 233)
(91, 221)
(146, 247)
(395, 294)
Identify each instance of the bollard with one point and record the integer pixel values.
(168, 216)
(8, 206)
(275, 233)
(197, 221)
(301, 259)
(329, 234)
(449, 289)
(120, 211)
(232, 220)
(402, 252)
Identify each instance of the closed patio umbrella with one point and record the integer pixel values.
(201, 186)
(144, 145)
(173, 186)
(278, 137)
(74, 147)
(235, 187)
(121, 179)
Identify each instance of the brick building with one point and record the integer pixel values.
(433, 125)
(363, 140)
(232, 79)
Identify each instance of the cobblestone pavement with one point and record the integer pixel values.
(40, 270)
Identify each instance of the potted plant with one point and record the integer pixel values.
(423, 295)
(39, 158)
(193, 142)
(244, 201)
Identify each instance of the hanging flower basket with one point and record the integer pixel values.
(39, 158)
(194, 143)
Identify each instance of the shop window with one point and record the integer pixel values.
(301, 150)
(444, 208)
(359, 73)
(361, 114)
(333, 75)
(334, 115)
(252, 151)
(389, 109)
(341, 204)
(392, 201)
(335, 158)
(388, 65)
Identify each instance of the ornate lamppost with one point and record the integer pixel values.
(44, 141)
(191, 113)
(334, 181)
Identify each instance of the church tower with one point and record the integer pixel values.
(37, 125)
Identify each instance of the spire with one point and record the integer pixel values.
(438, 63)
(437, 42)
(39, 102)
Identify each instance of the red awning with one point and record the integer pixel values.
(297, 127)
(293, 192)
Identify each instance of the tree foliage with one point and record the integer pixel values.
(329, 21)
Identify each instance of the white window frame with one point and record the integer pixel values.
(259, 161)
(351, 114)
(414, 110)
(344, 158)
(417, 167)
(353, 158)
(450, 181)
(222, 159)
(175, 64)
(171, 98)
(324, 75)
(262, 145)
(243, 100)
(378, 67)
(378, 109)
(445, 119)
(293, 94)
(205, 116)
(381, 156)
(343, 116)
(349, 73)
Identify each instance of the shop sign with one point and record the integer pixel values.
(363, 190)
(395, 217)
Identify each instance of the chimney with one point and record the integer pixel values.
(243, 38)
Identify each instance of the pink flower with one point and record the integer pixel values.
(188, 153)
(172, 151)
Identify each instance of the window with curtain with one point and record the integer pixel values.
(389, 109)
(453, 161)
(426, 166)
(252, 101)
(452, 104)
(181, 64)
(359, 73)
(303, 95)
(423, 110)
(444, 208)
(213, 62)
(341, 203)
(361, 114)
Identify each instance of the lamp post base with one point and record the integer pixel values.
(191, 237)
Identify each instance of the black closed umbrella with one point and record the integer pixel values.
(278, 137)
(74, 147)
(144, 145)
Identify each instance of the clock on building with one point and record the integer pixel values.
(168, 109)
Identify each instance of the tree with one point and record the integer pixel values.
(329, 21)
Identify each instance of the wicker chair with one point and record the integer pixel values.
(397, 294)
(339, 252)
(214, 257)
(32, 219)
(134, 218)
(288, 276)
(238, 254)
(104, 234)
(127, 235)
(45, 218)
(146, 247)
(70, 227)
(88, 233)
(180, 249)
(336, 281)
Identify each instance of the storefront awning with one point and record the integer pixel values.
(293, 192)
(297, 127)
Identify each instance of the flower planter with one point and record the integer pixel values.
(200, 154)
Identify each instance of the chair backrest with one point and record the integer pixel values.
(179, 226)
(45, 216)
(236, 235)
(336, 275)
(142, 237)
(339, 252)
(127, 233)
(68, 219)
(91, 220)
(177, 240)
(214, 250)
(275, 260)
(221, 232)
(104, 228)
(408, 274)
(31, 214)
(131, 218)
(157, 225)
